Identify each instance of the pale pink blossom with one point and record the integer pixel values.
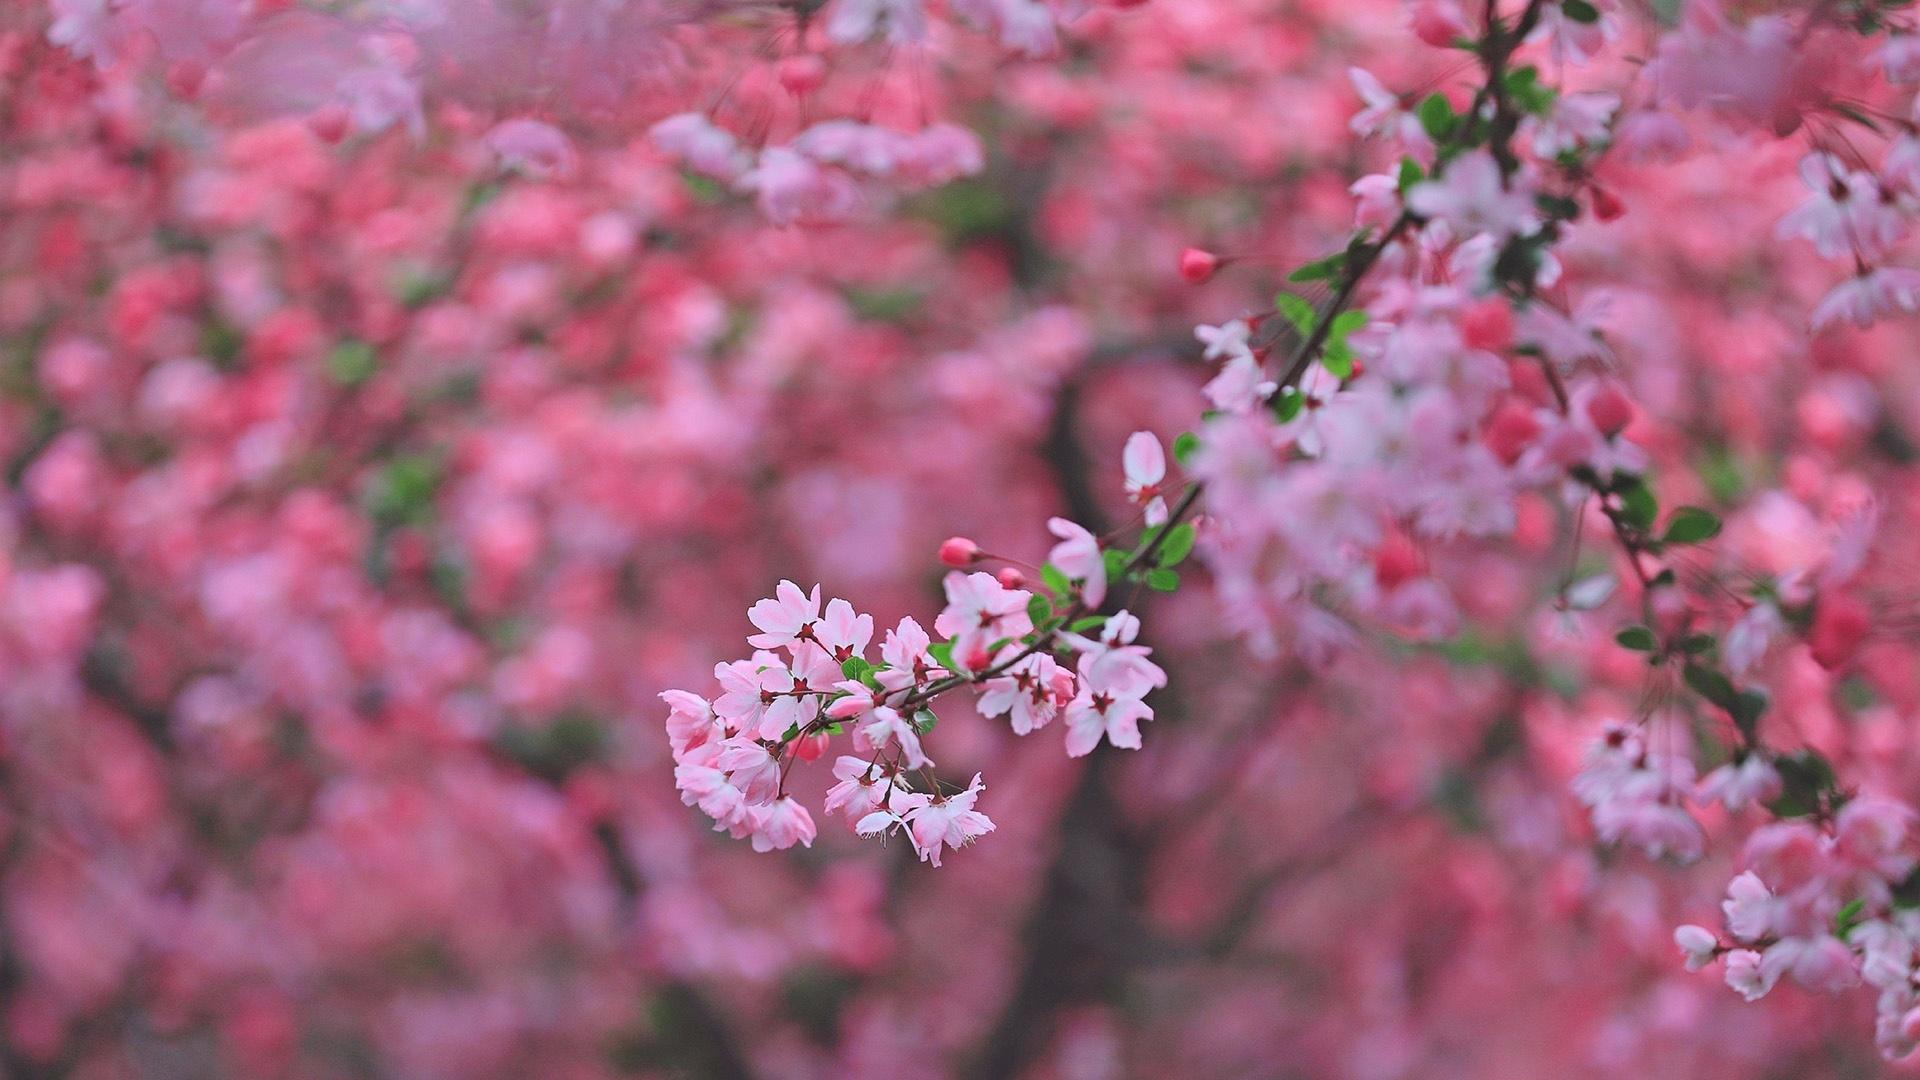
(1146, 471)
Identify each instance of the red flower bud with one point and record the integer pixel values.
(1606, 206)
(1439, 23)
(1512, 429)
(1397, 561)
(802, 75)
(1840, 623)
(329, 123)
(1198, 266)
(1010, 577)
(959, 551)
(1610, 410)
(1488, 325)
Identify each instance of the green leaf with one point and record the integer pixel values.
(1178, 545)
(1298, 311)
(1436, 116)
(1637, 502)
(1319, 269)
(352, 363)
(1347, 322)
(1163, 580)
(1580, 11)
(1637, 638)
(1287, 404)
(1712, 684)
(1806, 782)
(942, 653)
(1524, 88)
(1691, 525)
(1055, 581)
(853, 667)
(1410, 174)
(1184, 447)
(1338, 360)
(1081, 626)
(925, 720)
(1116, 561)
(1848, 917)
(1038, 609)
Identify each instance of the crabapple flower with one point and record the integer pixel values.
(1226, 341)
(1847, 213)
(1737, 785)
(1750, 907)
(1030, 694)
(1473, 197)
(883, 727)
(537, 149)
(1866, 298)
(788, 617)
(1108, 706)
(1697, 945)
(1240, 387)
(1119, 661)
(1078, 556)
(862, 789)
(943, 822)
(1146, 469)
(1748, 973)
(704, 148)
(782, 825)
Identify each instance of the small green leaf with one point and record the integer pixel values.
(352, 363)
(1410, 174)
(1806, 781)
(1347, 322)
(1178, 545)
(1298, 311)
(1848, 917)
(1637, 502)
(1081, 626)
(1116, 561)
(1184, 447)
(1038, 609)
(925, 720)
(942, 653)
(1712, 684)
(1319, 269)
(853, 667)
(1056, 581)
(1637, 638)
(1337, 358)
(1436, 115)
(1287, 404)
(1691, 525)
(1163, 580)
(1580, 11)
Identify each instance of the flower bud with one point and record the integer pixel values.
(1439, 23)
(329, 123)
(1840, 623)
(1488, 325)
(1010, 577)
(1606, 205)
(1198, 266)
(959, 552)
(1610, 410)
(802, 75)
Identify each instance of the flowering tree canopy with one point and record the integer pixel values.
(1363, 538)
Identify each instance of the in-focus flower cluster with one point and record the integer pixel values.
(1033, 657)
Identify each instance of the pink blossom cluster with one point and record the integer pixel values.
(733, 753)
(397, 398)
